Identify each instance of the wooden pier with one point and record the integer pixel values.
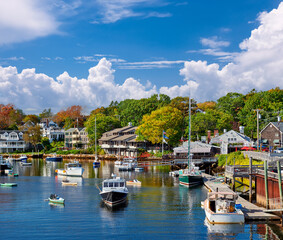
(252, 212)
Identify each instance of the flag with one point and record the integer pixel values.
(164, 135)
(164, 141)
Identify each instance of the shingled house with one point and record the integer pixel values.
(121, 141)
(272, 134)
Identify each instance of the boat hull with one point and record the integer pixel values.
(190, 180)
(113, 198)
(96, 164)
(60, 200)
(75, 172)
(223, 218)
(54, 159)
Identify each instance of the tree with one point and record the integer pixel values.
(33, 136)
(103, 124)
(31, 117)
(9, 116)
(73, 116)
(46, 113)
(167, 119)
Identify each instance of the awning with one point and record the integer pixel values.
(276, 141)
(264, 141)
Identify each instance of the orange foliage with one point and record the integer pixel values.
(73, 112)
(206, 105)
(6, 112)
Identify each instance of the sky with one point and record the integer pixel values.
(59, 53)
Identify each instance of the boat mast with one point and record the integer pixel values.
(189, 135)
(95, 139)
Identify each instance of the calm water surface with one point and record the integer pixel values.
(160, 209)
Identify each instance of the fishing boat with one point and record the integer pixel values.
(8, 184)
(134, 182)
(56, 199)
(221, 208)
(96, 162)
(71, 169)
(54, 158)
(192, 176)
(114, 191)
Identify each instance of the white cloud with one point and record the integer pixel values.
(115, 10)
(23, 20)
(214, 42)
(31, 90)
(149, 64)
(258, 66)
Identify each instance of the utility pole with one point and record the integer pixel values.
(257, 127)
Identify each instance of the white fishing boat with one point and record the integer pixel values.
(221, 208)
(71, 169)
(114, 191)
(23, 158)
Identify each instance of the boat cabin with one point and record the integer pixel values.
(222, 202)
(71, 165)
(114, 183)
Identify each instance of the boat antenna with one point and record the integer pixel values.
(95, 138)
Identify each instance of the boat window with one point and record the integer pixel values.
(121, 184)
(105, 184)
(111, 184)
(116, 184)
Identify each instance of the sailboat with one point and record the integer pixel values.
(96, 162)
(192, 176)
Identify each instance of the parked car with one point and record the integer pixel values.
(265, 149)
(279, 150)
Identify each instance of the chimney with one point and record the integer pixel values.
(224, 130)
(208, 136)
(241, 129)
(216, 134)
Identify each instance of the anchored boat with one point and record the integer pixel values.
(56, 199)
(134, 182)
(71, 169)
(114, 191)
(221, 208)
(54, 158)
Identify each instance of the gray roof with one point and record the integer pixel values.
(196, 147)
(279, 125)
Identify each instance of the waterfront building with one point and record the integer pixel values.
(121, 141)
(272, 134)
(11, 141)
(76, 138)
(231, 141)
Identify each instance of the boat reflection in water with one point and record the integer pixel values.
(78, 181)
(224, 230)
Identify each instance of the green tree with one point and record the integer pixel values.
(166, 118)
(46, 113)
(33, 136)
(103, 124)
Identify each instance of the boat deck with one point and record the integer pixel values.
(252, 212)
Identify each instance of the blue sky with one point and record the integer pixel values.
(56, 53)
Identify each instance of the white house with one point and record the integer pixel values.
(11, 140)
(231, 141)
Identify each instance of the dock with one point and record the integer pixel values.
(252, 212)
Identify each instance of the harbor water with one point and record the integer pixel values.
(159, 209)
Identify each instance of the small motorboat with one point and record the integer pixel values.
(54, 158)
(25, 164)
(221, 208)
(68, 183)
(56, 199)
(8, 184)
(23, 158)
(134, 182)
(114, 191)
(139, 169)
(71, 169)
(96, 163)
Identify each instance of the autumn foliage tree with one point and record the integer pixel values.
(9, 116)
(70, 117)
